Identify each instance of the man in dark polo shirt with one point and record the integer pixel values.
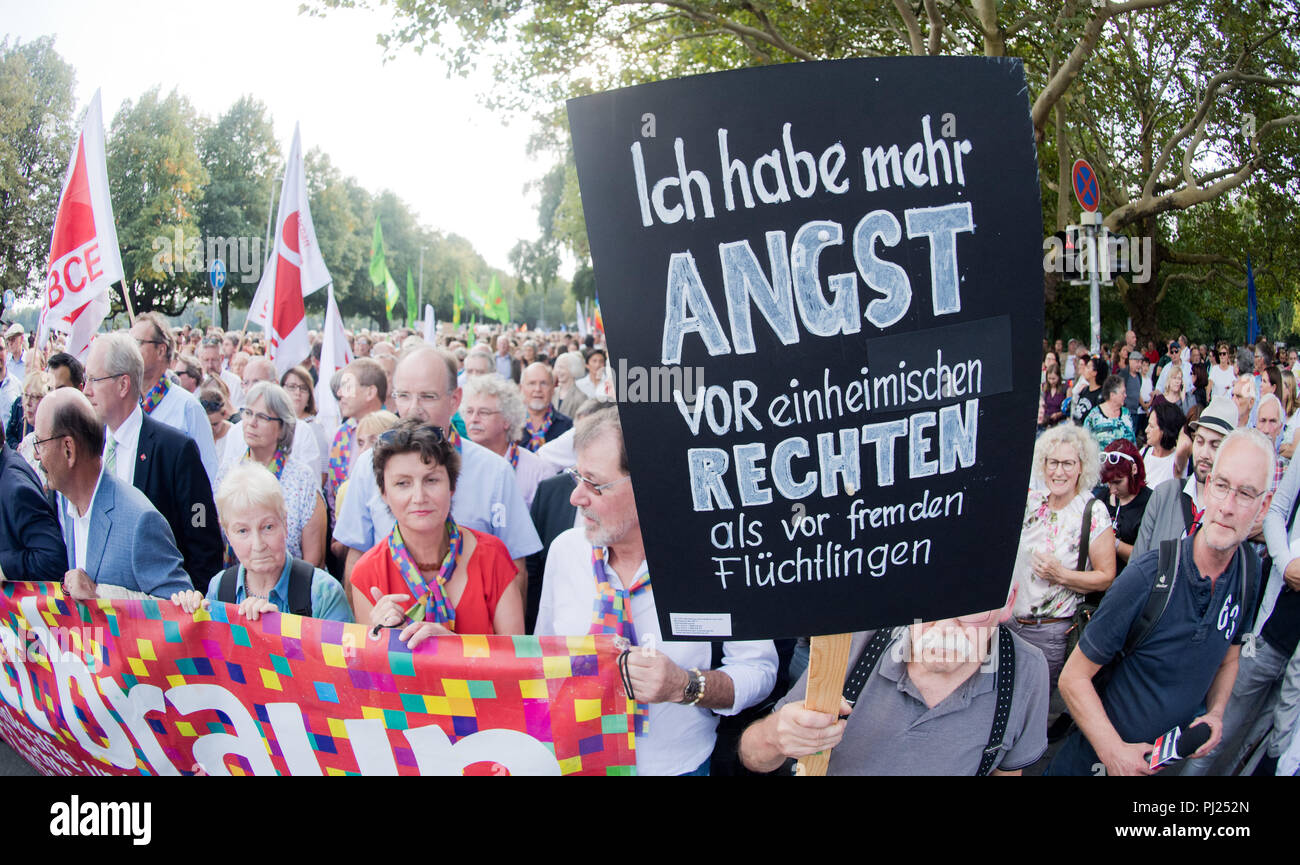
(1188, 659)
(927, 708)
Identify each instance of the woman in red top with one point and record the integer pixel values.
(431, 576)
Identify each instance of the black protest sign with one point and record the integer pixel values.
(822, 283)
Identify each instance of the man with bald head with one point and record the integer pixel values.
(544, 422)
(486, 498)
(113, 535)
(305, 447)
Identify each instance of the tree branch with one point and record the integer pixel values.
(987, 12)
(936, 27)
(913, 27)
(1064, 77)
(743, 30)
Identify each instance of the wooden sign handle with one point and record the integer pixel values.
(828, 663)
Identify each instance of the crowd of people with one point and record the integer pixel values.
(480, 485)
(1156, 568)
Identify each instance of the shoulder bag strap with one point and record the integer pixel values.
(1005, 676)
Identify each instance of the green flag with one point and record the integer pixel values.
(410, 299)
(457, 303)
(378, 267)
(496, 306)
(475, 294)
(392, 293)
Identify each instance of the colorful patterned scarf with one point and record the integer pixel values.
(537, 437)
(431, 605)
(612, 614)
(453, 436)
(340, 455)
(155, 395)
(512, 454)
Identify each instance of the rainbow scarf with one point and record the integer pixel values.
(155, 395)
(512, 454)
(341, 455)
(431, 605)
(537, 437)
(612, 614)
(453, 436)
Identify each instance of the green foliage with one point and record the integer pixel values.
(36, 137)
(156, 179)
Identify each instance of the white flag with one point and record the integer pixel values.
(430, 324)
(582, 321)
(334, 355)
(294, 270)
(84, 257)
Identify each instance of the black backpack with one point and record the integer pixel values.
(300, 577)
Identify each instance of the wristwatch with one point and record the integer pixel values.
(694, 689)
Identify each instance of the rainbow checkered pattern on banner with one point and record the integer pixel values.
(434, 601)
(512, 454)
(287, 695)
(341, 455)
(155, 395)
(537, 437)
(612, 613)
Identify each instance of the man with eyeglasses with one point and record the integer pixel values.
(1176, 505)
(597, 582)
(164, 401)
(493, 410)
(1163, 670)
(487, 497)
(928, 705)
(113, 534)
(161, 462)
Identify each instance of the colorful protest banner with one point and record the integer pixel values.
(140, 687)
(848, 255)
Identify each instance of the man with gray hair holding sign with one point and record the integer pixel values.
(597, 582)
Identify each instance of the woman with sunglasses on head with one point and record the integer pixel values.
(1055, 565)
(1161, 457)
(267, 438)
(1126, 493)
(431, 576)
(215, 399)
(298, 385)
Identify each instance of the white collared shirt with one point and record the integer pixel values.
(127, 437)
(679, 737)
(81, 526)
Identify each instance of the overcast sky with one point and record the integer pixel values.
(400, 125)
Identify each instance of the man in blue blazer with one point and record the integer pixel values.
(31, 542)
(113, 535)
(160, 461)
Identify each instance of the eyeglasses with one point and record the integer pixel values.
(596, 488)
(92, 380)
(1114, 458)
(262, 418)
(36, 445)
(1068, 465)
(294, 387)
(472, 413)
(144, 342)
(406, 396)
(1219, 490)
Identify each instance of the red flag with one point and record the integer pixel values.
(84, 258)
(294, 270)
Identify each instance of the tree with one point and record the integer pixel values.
(1175, 79)
(156, 179)
(36, 139)
(242, 158)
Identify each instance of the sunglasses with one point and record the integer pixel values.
(389, 436)
(1114, 458)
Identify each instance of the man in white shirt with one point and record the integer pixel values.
(589, 570)
(163, 401)
(493, 410)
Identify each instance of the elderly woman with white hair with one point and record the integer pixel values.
(267, 429)
(569, 367)
(1067, 543)
(252, 512)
